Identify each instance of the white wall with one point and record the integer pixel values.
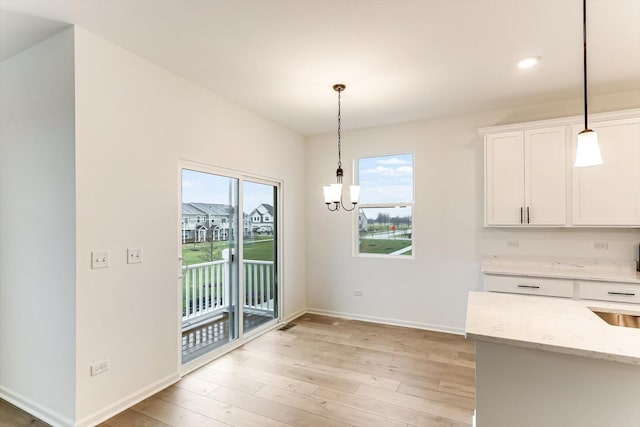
(37, 226)
(449, 238)
(134, 122)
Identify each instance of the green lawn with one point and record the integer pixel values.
(383, 246)
(258, 249)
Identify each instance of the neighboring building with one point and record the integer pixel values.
(262, 219)
(202, 222)
(205, 221)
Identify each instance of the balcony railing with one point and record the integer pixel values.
(205, 288)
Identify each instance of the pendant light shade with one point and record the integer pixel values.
(588, 149)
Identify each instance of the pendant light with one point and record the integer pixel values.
(587, 150)
(333, 192)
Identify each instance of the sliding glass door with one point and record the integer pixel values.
(220, 214)
(259, 254)
(209, 238)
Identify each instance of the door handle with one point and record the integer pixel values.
(528, 217)
(626, 294)
(521, 221)
(529, 286)
(183, 265)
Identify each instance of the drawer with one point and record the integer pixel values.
(530, 285)
(610, 291)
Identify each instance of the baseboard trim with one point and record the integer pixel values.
(128, 402)
(37, 410)
(295, 315)
(388, 321)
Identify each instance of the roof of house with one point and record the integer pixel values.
(212, 208)
(188, 209)
(263, 209)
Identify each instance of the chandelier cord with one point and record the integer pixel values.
(339, 142)
(584, 42)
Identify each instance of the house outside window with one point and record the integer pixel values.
(384, 225)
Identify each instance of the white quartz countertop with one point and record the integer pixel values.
(574, 269)
(554, 324)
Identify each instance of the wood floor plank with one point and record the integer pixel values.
(196, 385)
(388, 410)
(174, 415)
(287, 414)
(326, 408)
(132, 419)
(328, 369)
(216, 410)
(210, 374)
(265, 378)
(417, 403)
(438, 396)
(10, 416)
(459, 389)
(303, 374)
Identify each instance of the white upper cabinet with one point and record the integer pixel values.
(504, 179)
(526, 177)
(609, 194)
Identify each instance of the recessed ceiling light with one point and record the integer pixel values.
(529, 62)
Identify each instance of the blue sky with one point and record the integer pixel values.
(386, 179)
(209, 188)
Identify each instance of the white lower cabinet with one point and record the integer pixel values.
(610, 291)
(530, 285)
(564, 288)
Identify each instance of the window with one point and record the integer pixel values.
(385, 211)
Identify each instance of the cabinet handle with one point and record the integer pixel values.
(521, 221)
(529, 286)
(528, 217)
(626, 294)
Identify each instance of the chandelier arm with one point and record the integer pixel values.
(337, 206)
(349, 210)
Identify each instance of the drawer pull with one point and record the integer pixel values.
(627, 294)
(529, 286)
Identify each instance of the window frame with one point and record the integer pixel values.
(356, 212)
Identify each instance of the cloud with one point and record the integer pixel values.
(188, 184)
(386, 171)
(392, 161)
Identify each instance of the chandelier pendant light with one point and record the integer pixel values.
(588, 149)
(333, 192)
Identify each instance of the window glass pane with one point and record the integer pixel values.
(385, 230)
(386, 179)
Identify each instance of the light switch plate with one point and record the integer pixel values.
(134, 255)
(100, 259)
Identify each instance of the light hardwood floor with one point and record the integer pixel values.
(324, 371)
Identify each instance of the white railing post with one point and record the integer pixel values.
(205, 287)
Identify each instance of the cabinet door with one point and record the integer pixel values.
(609, 194)
(504, 178)
(546, 176)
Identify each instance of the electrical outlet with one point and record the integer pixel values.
(601, 246)
(357, 292)
(100, 259)
(512, 243)
(134, 255)
(100, 367)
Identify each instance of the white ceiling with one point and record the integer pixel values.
(401, 60)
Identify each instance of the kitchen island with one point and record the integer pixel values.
(549, 362)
